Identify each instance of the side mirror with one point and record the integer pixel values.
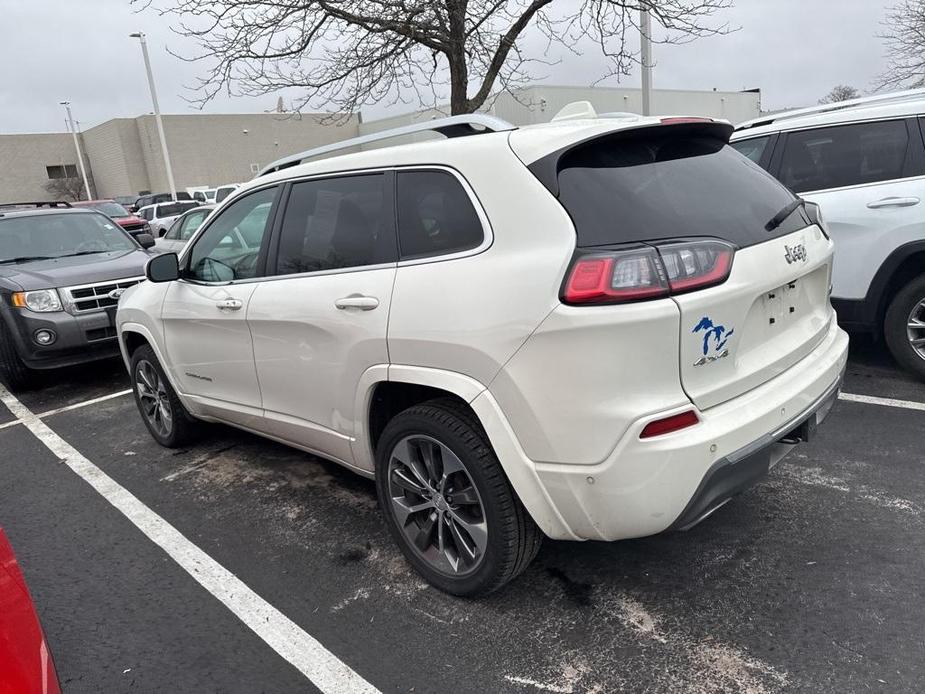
(163, 268)
(146, 240)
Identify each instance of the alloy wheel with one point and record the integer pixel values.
(915, 328)
(152, 394)
(437, 506)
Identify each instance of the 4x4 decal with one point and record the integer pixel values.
(715, 338)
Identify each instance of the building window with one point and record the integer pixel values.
(62, 171)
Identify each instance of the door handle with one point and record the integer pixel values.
(364, 303)
(230, 304)
(893, 202)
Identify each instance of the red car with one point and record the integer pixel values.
(25, 663)
(125, 219)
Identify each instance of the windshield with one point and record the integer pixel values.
(59, 236)
(111, 209)
(175, 208)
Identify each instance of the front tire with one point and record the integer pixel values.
(904, 327)
(447, 501)
(168, 422)
(13, 371)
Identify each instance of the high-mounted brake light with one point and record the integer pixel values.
(649, 272)
(675, 422)
(672, 121)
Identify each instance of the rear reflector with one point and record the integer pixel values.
(648, 272)
(669, 424)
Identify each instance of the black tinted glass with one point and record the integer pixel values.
(669, 185)
(435, 215)
(335, 223)
(845, 155)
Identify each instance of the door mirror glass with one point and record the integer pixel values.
(145, 240)
(163, 268)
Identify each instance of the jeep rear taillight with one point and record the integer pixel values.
(647, 272)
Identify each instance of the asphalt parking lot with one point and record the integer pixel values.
(811, 581)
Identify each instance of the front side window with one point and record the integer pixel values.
(59, 236)
(752, 148)
(335, 223)
(435, 215)
(230, 247)
(844, 155)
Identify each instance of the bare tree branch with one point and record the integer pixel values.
(344, 54)
(905, 46)
(840, 92)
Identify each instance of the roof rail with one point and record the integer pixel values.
(453, 126)
(40, 203)
(876, 99)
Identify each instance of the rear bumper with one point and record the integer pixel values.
(737, 471)
(647, 486)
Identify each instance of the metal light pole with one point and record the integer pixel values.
(157, 112)
(645, 54)
(80, 156)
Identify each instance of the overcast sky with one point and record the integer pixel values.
(53, 50)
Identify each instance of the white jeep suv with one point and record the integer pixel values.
(597, 328)
(863, 162)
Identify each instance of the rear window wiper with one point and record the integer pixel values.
(25, 258)
(779, 218)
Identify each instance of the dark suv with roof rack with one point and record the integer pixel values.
(62, 270)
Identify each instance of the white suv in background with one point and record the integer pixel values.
(598, 328)
(163, 214)
(863, 162)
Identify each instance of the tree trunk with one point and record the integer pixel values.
(459, 86)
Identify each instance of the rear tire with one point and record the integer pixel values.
(168, 422)
(13, 371)
(470, 534)
(902, 330)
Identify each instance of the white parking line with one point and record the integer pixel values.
(886, 402)
(302, 650)
(76, 406)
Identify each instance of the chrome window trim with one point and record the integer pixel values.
(488, 237)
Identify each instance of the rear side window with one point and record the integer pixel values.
(336, 223)
(670, 183)
(752, 148)
(435, 215)
(845, 155)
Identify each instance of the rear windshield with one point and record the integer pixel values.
(661, 185)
